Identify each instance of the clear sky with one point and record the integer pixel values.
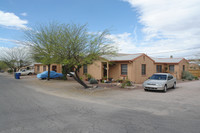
(159, 28)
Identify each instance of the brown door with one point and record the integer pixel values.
(54, 68)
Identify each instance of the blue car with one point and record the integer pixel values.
(53, 74)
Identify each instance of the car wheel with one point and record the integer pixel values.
(145, 90)
(165, 89)
(29, 73)
(174, 86)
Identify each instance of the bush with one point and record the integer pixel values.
(126, 83)
(119, 80)
(196, 78)
(93, 81)
(88, 76)
(187, 75)
(10, 71)
(105, 78)
(123, 85)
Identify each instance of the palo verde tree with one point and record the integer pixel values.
(77, 47)
(68, 44)
(41, 41)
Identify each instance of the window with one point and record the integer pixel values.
(123, 69)
(84, 69)
(38, 68)
(158, 77)
(170, 77)
(158, 68)
(143, 69)
(54, 68)
(183, 67)
(44, 68)
(171, 68)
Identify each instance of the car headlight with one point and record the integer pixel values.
(159, 84)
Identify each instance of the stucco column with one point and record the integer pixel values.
(107, 70)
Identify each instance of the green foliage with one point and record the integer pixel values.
(88, 76)
(119, 80)
(10, 71)
(3, 65)
(93, 81)
(105, 78)
(196, 78)
(123, 85)
(71, 45)
(42, 40)
(15, 58)
(126, 83)
(187, 75)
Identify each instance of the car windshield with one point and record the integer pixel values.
(158, 77)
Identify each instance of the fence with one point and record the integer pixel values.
(195, 72)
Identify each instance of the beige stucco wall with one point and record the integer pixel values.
(59, 68)
(134, 69)
(115, 70)
(137, 69)
(95, 70)
(180, 70)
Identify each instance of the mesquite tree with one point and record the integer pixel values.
(16, 58)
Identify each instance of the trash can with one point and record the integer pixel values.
(17, 75)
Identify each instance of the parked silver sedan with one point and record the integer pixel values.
(160, 81)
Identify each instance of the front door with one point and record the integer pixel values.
(54, 68)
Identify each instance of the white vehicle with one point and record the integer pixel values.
(26, 72)
(71, 73)
(160, 81)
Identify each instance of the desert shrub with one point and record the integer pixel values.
(119, 80)
(88, 76)
(126, 83)
(123, 85)
(10, 71)
(187, 75)
(93, 81)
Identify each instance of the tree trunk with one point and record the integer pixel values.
(64, 71)
(76, 77)
(49, 65)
